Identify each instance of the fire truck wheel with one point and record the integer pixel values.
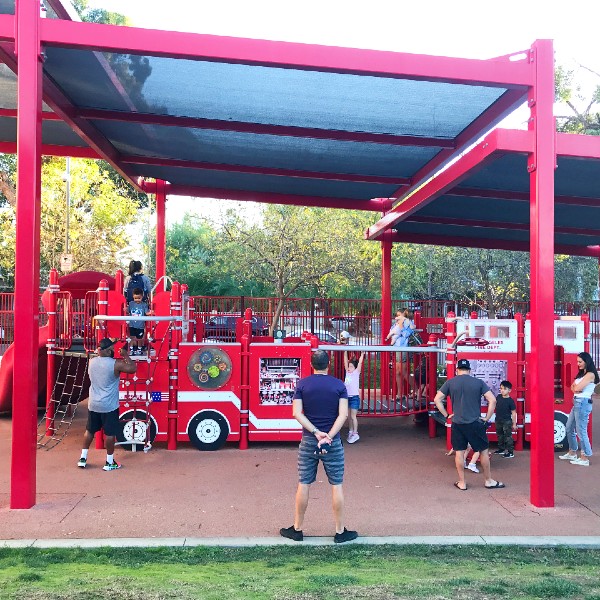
(560, 431)
(138, 426)
(208, 430)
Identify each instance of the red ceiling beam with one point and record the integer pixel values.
(469, 163)
(489, 244)
(578, 146)
(169, 162)
(502, 225)
(7, 28)
(53, 150)
(149, 187)
(378, 63)
(486, 194)
(265, 129)
(490, 118)
(61, 105)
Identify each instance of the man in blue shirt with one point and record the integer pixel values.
(320, 405)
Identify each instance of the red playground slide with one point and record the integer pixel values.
(6, 373)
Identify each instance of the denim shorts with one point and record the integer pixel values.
(354, 402)
(308, 461)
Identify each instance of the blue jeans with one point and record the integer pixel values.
(577, 425)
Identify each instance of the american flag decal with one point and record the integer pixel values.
(159, 396)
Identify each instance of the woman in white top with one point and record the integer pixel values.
(352, 383)
(577, 424)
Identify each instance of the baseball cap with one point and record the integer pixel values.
(106, 343)
(463, 363)
(345, 335)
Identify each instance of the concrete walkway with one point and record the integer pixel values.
(583, 542)
(398, 488)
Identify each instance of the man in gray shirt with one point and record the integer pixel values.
(103, 405)
(468, 427)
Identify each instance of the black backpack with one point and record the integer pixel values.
(136, 281)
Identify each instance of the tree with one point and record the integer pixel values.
(293, 250)
(583, 108)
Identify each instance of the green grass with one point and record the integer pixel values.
(301, 573)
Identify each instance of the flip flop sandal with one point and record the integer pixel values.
(461, 489)
(497, 485)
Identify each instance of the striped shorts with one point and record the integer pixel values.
(308, 461)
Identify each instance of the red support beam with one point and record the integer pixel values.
(468, 164)
(62, 106)
(490, 118)
(27, 252)
(266, 197)
(51, 150)
(500, 225)
(310, 57)
(264, 128)
(205, 166)
(541, 165)
(578, 146)
(161, 233)
(487, 243)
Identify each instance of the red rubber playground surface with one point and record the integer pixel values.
(398, 483)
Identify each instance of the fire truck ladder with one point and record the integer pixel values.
(66, 394)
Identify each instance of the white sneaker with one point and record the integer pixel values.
(353, 437)
(568, 456)
(473, 467)
(581, 462)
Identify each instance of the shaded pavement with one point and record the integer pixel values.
(398, 483)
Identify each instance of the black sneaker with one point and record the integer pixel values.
(499, 451)
(508, 454)
(291, 534)
(345, 536)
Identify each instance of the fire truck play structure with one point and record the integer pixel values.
(187, 389)
(498, 349)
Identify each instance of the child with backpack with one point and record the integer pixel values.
(136, 279)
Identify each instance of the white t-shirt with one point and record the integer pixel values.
(352, 383)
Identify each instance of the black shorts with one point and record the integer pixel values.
(474, 434)
(136, 332)
(108, 422)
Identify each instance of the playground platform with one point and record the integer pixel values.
(398, 483)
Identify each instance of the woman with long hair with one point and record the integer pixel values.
(577, 424)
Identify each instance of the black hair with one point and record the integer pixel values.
(134, 267)
(590, 367)
(137, 292)
(319, 360)
(354, 362)
(506, 384)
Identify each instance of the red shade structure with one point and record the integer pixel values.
(221, 117)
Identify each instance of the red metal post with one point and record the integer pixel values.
(173, 370)
(101, 332)
(245, 386)
(386, 309)
(541, 165)
(450, 366)
(27, 254)
(119, 281)
(520, 383)
(53, 289)
(161, 235)
(431, 359)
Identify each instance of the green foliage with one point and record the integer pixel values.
(582, 108)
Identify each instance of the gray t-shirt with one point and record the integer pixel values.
(465, 391)
(104, 385)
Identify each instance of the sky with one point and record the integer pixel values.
(463, 28)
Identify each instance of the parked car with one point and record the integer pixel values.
(222, 328)
(324, 336)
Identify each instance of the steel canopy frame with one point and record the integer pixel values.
(35, 33)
